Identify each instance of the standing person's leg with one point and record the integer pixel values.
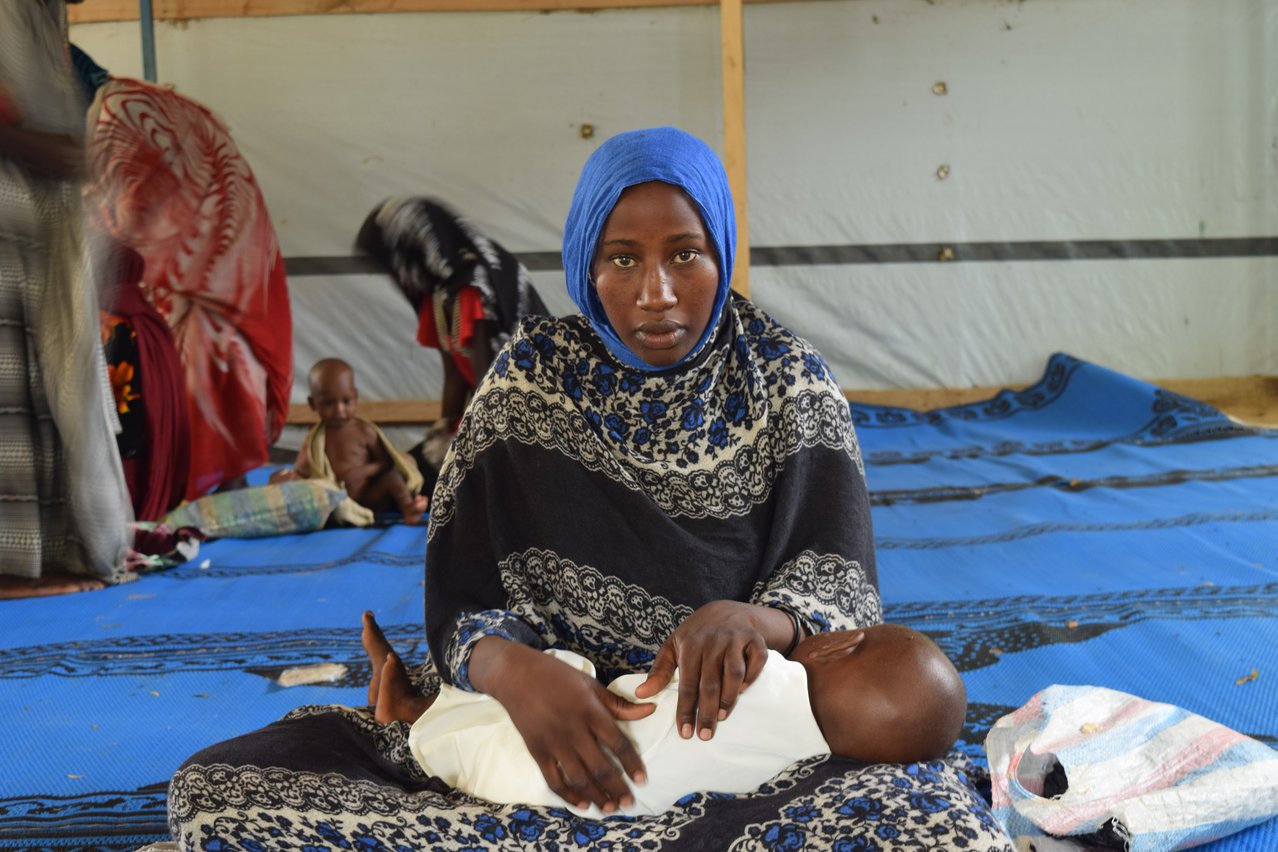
(480, 352)
(38, 555)
(429, 453)
(455, 393)
(95, 509)
(48, 321)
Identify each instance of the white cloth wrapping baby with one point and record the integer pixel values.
(1150, 776)
(468, 740)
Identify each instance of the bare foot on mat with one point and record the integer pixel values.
(62, 583)
(415, 509)
(377, 648)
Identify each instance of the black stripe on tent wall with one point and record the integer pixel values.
(843, 255)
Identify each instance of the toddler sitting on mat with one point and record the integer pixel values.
(352, 453)
(882, 694)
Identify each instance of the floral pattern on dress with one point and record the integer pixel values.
(620, 626)
(120, 348)
(821, 803)
(705, 442)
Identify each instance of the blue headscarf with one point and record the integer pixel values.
(666, 154)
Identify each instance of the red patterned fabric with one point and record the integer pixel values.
(168, 181)
(157, 473)
(469, 308)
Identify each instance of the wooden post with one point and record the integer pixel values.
(732, 46)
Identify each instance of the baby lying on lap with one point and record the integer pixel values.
(352, 452)
(883, 694)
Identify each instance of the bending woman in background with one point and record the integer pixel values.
(63, 506)
(668, 480)
(469, 294)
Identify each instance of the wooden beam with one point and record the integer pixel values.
(388, 412)
(1251, 399)
(127, 10)
(923, 399)
(732, 56)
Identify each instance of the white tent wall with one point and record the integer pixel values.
(1062, 121)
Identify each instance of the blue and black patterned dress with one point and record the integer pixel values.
(591, 507)
(587, 506)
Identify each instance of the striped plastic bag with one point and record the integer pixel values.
(1083, 767)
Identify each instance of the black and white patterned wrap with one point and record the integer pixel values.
(821, 803)
(587, 506)
(824, 591)
(706, 443)
(558, 523)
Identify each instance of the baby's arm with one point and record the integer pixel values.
(301, 468)
(303, 463)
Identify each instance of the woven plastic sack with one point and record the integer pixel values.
(265, 510)
(1083, 767)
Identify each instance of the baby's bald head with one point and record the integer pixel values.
(883, 694)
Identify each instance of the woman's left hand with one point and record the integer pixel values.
(719, 649)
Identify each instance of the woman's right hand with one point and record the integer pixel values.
(567, 720)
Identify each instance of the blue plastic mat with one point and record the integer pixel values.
(1091, 529)
(106, 693)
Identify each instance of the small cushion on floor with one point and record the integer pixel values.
(263, 510)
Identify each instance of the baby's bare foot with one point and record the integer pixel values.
(397, 700)
(377, 648)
